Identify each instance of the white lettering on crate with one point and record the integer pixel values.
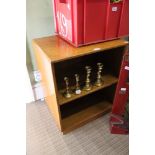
(64, 25)
(68, 5)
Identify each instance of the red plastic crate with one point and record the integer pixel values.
(122, 90)
(83, 22)
(118, 124)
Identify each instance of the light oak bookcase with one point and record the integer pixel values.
(56, 59)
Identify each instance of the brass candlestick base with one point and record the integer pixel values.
(99, 83)
(87, 88)
(99, 80)
(88, 85)
(67, 93)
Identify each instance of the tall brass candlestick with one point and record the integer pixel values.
(67, 93)
(99, 80)
(77, 90)
(88, 85)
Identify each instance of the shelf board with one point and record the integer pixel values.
(86, 115)
(108, 80)
(57, 49)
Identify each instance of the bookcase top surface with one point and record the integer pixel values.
(56, 49)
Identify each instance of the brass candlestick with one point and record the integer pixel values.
(67, 93)
(88, 85)
(99, 80)
(77, 90)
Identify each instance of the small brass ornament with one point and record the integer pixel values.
(99, 80)
(88, 85)
(77, 89)
(67, 93)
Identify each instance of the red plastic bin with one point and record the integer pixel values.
(83, 22)
(122, 90)
(118, 123)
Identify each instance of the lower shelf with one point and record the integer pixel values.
(108, 81)
(86, 115)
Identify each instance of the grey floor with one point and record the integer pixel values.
(94, 138)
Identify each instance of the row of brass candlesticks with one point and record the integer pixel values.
(88, 85)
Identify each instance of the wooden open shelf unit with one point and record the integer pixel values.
(57, 59)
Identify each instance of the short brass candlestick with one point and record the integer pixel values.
(77, 90)
(88, 85)
(67, 93)
(99, 80)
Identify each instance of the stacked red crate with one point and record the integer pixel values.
(83, 22)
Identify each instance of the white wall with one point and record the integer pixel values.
(29, 96)
(39, 23)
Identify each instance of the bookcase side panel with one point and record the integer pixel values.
(44, 66)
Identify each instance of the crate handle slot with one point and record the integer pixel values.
(63, 1)
(115, 1)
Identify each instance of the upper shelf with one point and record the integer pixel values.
(56, 49)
